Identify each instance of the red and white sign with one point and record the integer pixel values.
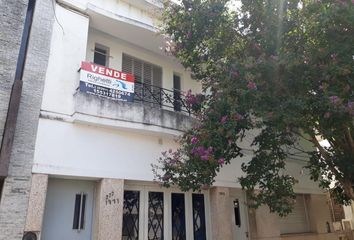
(109, 72)
(108, 82)
(106, 77)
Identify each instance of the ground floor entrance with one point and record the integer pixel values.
(239, 220)
(117, 209)
(68, 210)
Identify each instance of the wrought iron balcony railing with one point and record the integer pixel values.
(173, 99)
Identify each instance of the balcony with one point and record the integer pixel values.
(154, 109)
(161, 97)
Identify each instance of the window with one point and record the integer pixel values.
(148, 78)
(178, 216)
(155, 212)
(101, 55)
(177, 104)
(152, 214)
(131, 215)
(79, 211)
(199, 217)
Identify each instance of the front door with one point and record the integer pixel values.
(239, 219)
(68, 210)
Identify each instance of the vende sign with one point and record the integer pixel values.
(107, 82)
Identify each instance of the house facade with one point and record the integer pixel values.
(96, 140)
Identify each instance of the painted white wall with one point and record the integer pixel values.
(229, 175)
(117, 47)
(68, 48)
(348, 213)
(64, 148)
(137, 10)
(73, 149)
(73, 42)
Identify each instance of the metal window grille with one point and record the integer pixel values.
(155, 216)
(131, 215)
(199, 228)
(178, 217)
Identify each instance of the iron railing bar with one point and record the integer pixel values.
(162, 96)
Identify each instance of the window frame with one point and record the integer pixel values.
(105, 48)
(177, 106)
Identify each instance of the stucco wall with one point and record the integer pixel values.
(64, 148)
(73, 41)
(67, 50)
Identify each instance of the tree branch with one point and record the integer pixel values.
(349, 139)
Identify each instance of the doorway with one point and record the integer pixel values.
(68, 210)
(239, 219)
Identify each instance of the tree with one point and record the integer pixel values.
(282, 70)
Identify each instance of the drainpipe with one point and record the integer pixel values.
(15, 97)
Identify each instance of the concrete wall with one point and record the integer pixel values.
(12, 14)
(14, 201)
(93, 110)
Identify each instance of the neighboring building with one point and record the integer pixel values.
(16, 161)
(92, 176)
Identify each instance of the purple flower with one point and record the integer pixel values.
(166, 177)
(237, 116)
(221, 161)
(251, 85)
(205, 157)
(350, 107)
(335, 100)
(191, 99)
(194, 140)
(235, 73)
(223, 119)
(210, 150)
(198, 151)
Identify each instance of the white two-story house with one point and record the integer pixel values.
(92, 175)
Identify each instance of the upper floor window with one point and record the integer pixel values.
(101, 55)
(177, 104)
(148, 78)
